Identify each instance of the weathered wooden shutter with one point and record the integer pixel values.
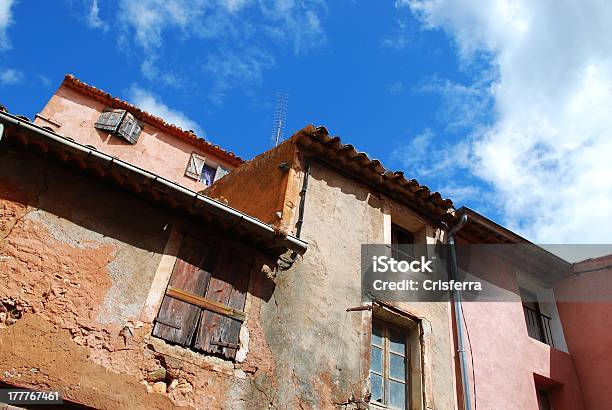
(130, 129)
(195, 165)
(177, 320)
(220, 334)
(221, 172)
(110, 119)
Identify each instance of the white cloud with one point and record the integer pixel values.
(152, 104)
(93, 17)
(44, 80)
(398, 38)
(396, 88)
(232, 24)
(6, 19)
(287, 20)
(463, 106)
(10, 76)
(230, 70)
(547, 153)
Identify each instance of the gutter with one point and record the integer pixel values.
(248, 222)
(456, 295)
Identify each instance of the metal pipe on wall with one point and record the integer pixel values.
(467, 400)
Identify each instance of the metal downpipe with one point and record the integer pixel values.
(467, 400)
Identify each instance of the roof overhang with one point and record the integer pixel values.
(528, 257)
(330, 149)
(145, 184)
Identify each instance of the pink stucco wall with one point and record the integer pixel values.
(507, 362)
(587, 328)
(156, 150)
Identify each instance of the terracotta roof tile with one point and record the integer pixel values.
(318, 141)
(73, 82)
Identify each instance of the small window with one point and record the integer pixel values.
(208, 174)
(388, 365)
(538, 324)
(402, 241)
(203, 308)
(198, 169)
(120, 123)
(544, 402)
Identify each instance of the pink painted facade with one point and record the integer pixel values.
(587, 327)
(511, 369)
(509, 364)
(75, 107)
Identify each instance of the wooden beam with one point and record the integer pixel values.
(205, 303)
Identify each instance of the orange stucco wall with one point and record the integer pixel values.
(262, 189)
(587, 328)
(74, 114)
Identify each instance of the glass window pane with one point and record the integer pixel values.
(377, 334)
(208, 174)
(397, 367)
(376, 360)
(397, 342)
(397, 394)
(376, 385)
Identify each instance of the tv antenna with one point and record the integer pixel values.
(280, 117)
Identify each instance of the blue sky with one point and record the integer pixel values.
(462, 96)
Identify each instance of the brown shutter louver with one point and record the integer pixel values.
(217, 333)
(194, 166)
(203, 308)
(177, 320)
(110, 119)
(130, 129)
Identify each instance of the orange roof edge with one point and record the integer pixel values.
(100, 95)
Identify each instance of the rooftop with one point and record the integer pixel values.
(187, 135)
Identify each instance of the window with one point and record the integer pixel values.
(538, 324)
(208, 174)
(199, 169)
(120, 123)
(204, 301)
(544, 402)
(403, 242)
(388, 365)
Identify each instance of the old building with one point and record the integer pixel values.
(144, 267)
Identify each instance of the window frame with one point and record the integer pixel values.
(386, 352)
(401, 253)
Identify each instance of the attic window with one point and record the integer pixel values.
(199, 168)
(120, 123)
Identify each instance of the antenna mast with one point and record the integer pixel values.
(280, 116)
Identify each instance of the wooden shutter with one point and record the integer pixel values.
(221, 172)
(195, 165)
(130, 129)
(177, 320)
(228, 285)
(110, 119)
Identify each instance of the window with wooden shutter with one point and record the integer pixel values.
(130, 129)
(221, 172)
(203, 308)
(120, 123)
(195, 166)
(110, 119)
